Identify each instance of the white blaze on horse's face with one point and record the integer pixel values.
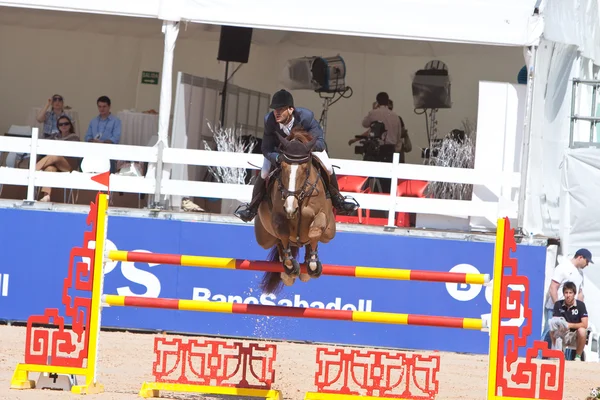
(291, 204)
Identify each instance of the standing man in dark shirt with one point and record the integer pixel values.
(570, 320)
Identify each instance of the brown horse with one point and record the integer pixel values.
(297, 212)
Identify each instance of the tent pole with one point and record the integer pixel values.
(224, 95)
(170, 30)
(526, 140)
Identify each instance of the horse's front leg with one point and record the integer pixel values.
(287, 279)
(290, 264)
(317, 227)
(313, 264)
(291, 268)
(304, 277)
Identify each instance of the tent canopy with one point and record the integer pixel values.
(470, 21)
(484, 22)
(507, 22)
(150, 28)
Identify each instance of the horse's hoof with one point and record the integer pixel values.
(304, 277)
(287, 279)
(315, 272)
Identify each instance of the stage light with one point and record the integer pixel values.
(321, 74)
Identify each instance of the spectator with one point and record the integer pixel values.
(569, 321)
(105, 128)
(567, 271)
(50, 117)
(57, 163)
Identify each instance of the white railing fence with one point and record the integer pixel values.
(491, 210)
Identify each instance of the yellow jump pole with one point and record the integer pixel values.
(20, 379)
(495, 317)
(91, 385)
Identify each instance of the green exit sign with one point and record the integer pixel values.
(150, 77)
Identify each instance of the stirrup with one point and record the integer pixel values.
(341, 204)
(351, 200)
(244, 212)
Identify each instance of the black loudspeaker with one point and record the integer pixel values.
(431, 89)
(234, 44)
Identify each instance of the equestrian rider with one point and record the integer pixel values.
(280, 121)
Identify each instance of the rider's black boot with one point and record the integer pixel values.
(340, 203)
(247, 212)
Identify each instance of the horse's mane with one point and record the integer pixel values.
(300, 134)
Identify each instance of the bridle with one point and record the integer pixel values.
(308, 188)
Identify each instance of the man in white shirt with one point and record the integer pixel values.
(382, 112)
(567, 271)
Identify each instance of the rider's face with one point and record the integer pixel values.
(283, 114)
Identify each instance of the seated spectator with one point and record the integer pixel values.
(105, 128)
(50, 117)
(57, 163)
(569, 321)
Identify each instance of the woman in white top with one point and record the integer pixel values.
(57, 163)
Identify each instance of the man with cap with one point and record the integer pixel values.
(567, 271)
(280, 121)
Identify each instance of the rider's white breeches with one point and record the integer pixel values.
(321, 155)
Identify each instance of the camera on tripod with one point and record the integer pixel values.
(372, 147)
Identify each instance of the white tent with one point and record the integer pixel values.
(560, 191)
(569, 49)
(562, 38)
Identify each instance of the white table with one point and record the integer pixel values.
(72, 113)
(137, 128)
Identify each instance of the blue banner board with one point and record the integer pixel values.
(36, 246)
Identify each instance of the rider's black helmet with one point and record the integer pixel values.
(282, 98)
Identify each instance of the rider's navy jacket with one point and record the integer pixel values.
(302, 116)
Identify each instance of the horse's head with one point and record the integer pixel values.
(295, 168)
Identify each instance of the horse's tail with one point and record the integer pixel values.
(271, 282)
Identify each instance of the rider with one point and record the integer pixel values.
(280, 121)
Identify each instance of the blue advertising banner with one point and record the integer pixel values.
(36, 247)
